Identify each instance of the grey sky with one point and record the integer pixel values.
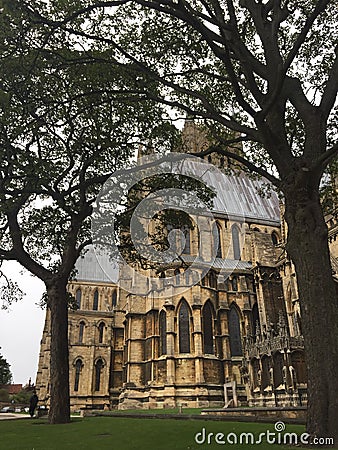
(21, 327)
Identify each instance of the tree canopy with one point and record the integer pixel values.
(66, 125)
(5, 371)
(249, 68)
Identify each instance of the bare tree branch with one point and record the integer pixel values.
(327, 157)
(330, 90)
(251, 166)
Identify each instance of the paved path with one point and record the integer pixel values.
(8, 416)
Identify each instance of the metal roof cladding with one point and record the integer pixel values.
(95, 266)
(239, 195)
(236, 196)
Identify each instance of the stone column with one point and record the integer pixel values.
(153, 344)
(198, 344)
(260, 375)
(222, 315)
(170, 308)
(127, 342)
(247, 316)
(136, 353)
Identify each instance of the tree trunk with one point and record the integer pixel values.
(307, 245)
(59, 357)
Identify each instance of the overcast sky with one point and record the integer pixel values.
(21, 327)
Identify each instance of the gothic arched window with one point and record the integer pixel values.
(114, 298)
(81, 331)
(235, 242)
(208, 333)
(299, 323)
(274, 238)
(101, 331)
(96, 300)
(78, 297)
(163, 332)
(278, 369)
(177, 276)
(213, 280)
(217, 243)
(198, 241)
(98, 370)
(186, 240)
(78, 368)
(234, 283)
(235, 332)
(184, 327)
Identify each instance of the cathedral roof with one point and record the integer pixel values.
(254, 206)
(219, 263)
(239, 195)
(95, 267)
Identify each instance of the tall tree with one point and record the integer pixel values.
(261, 72)
(5, 371)
(65, 126)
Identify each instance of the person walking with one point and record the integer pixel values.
(33, 401)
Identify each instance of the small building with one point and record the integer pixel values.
(12, 388)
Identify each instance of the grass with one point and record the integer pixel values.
(196, 411)
(96, 433)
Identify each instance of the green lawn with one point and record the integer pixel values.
(94, 433)
(196, 411)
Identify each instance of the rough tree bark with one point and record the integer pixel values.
(307, 245)
(59, 354)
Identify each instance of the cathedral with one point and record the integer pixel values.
(240, 325)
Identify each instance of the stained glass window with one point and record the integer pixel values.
(184, 328)
(187, 237)
(114, 298)
(96, 300)
(163, 332)
(98, 370)
(213, 279)
(177, 276)
(274, 238)
(81, 331)
(217, 245)
(101, 330)
(208, 334)
(234, 284)
(235, 242)
(78, 297)
(78, 368)
(235, 332)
